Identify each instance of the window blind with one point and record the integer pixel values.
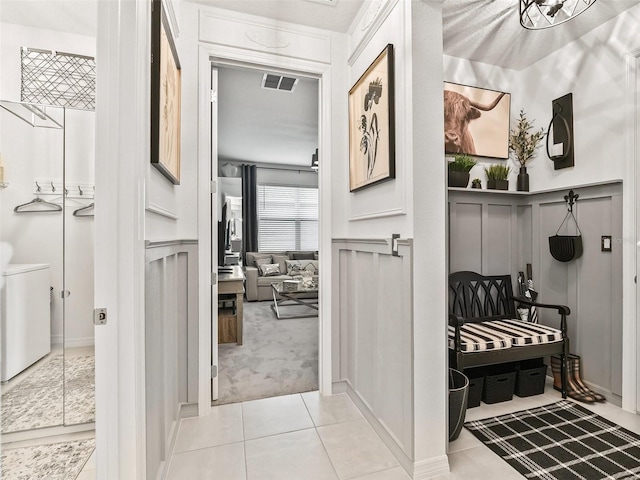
(287, 218)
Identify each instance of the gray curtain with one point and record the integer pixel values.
(249, 210)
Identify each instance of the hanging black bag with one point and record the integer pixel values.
(565, 248)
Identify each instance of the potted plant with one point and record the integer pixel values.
(476, 183)
(497, 177)
(459, 170)
(523, 145)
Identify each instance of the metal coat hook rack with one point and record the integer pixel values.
(571, 199)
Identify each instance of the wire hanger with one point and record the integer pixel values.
(37, 202)
(84, 211)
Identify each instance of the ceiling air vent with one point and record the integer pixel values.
(277, 82)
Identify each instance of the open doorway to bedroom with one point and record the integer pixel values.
(267, 231)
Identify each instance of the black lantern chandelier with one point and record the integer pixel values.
(539, 14)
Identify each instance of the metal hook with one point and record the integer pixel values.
(80, 190)
(53, 189)
(571, 199)
(38, 189)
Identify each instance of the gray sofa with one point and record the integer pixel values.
(257, 286)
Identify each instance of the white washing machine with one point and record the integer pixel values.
(25, 317)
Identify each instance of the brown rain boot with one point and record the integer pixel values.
(576, 379)
(575, 388)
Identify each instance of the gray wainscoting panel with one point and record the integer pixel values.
(375, 297)
(171, 321)
(498, 239)
(591, 285)
(551, 277)
(465, 246)
(524, 249)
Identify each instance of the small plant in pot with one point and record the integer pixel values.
(523, 144)
(459, 170)
(476, 183)
(497, 177)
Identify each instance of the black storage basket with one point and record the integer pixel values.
(530, 378)
(476, 384)
(499, 384)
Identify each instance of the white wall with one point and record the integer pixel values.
(413, 205)
(385, 208)
(593, 68)
(16, 36)
(36, 153)
(475, 74)
(171, 209)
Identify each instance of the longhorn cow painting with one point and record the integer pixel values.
(476, 121)
(371, 124)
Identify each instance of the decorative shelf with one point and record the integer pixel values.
(535, 192)
(487, 190)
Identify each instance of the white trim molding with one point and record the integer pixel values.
(630, 211)
(122, 153)
(163, 212)
(310, 53)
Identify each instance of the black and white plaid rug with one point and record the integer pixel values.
(561, 441)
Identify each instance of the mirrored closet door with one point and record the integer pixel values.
(46, 218)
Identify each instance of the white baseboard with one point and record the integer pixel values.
(56, 341)
(421, 470)
(431, 468)
(339, 387)
(185, 410)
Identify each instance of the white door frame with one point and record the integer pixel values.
(630, 235)
(209, 54)
(122, 153)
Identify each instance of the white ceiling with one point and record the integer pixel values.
(266, 126)
(279, 127)
(490, 32)
(71, 16)
(334, 15)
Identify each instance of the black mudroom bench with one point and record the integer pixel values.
(484, 328)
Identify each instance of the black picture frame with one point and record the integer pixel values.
(165, 96)
(372, 124)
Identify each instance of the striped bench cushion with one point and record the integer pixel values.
(476, 337)
(500, 334)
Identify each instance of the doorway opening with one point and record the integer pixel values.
(265, 130)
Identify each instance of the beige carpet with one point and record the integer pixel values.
(278, 357)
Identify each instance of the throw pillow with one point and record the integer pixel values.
(269, 269)
(302, 267)
(302, 256)
(250, 258)
(262, 261)
(258, 256)
(282, 261)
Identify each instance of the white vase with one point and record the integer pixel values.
(229, 170)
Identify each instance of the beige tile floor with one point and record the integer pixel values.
(301, 436)
(308, 436)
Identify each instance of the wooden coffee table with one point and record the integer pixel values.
(301, 295)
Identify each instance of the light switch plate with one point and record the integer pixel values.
(605, 243)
